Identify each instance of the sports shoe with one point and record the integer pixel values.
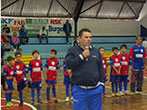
(118, 94)
(113, 94)
(40, 101)
(8, 104)
(49, 100)
(54, 99)
(21, 103)
(126, 93)
(121, 93)
(11, 103)
(67, 99)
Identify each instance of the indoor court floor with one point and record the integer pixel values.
(130, 102)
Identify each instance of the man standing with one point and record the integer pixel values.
(6, 29)
(138, 54)
(67, 29)
(85, 61)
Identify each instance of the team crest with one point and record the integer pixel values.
(123, 58)
(103, 61)
(17, 67)
(116, 60)
(53, 63)
(37, 64)
(11, 72)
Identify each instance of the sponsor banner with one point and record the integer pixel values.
(54, 27)
(25, 59)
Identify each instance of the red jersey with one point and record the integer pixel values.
(35, 66)
(21, 70)
(52, 64)
(9, 72)
(115, 60)
(125, 62)
(104, 60)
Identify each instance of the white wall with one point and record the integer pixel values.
(110, 27)
(143, 16)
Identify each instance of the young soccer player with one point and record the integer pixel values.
(51, 67)
(67, 82)
(115, 71)
(20, 74)
(126, 65)
(8, 72)
(104, 60)
(35, 68)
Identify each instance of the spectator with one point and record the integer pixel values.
(23, 35)
(6, 29)
(144, 43)
(43, 34)
(14, 41)
(67, 29)
(75, 42)
(4, 41)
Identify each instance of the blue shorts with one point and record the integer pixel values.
(51, 82)
(87, 99)
(114, 78)
(21, 85)
(10, 85)
(124, 78)
(67, 80)
(36, 85)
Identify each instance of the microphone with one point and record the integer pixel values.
(86, 47)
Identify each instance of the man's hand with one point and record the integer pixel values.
(86, 53)
(118, 72)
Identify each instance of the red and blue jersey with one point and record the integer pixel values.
(35, 66)
(9, 72)
(21, 71)
(115, 61)
(138, 53)
(104, 60)
(52, 64)
(125, 63)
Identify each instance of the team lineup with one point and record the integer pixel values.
(122, 65)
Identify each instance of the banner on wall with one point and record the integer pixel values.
(25, 59)
(54, 27)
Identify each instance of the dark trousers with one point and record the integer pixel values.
(41, 37)
(24, 40)
(137, 77)
(67, 36)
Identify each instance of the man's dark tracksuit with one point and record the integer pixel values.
(87, 77)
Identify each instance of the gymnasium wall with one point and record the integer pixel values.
(54, 27)
(110, 27)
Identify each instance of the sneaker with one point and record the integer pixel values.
(21, 103)
(121, 93)
(71, 98)
(118, 94)
(113, 94)
(40, 101)
(32, 102)
(126, 93)
(67, 99)
(11, 103)
(54, 99)
(132, 92)
(138, 92)
(49, 100)
(8, 104)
